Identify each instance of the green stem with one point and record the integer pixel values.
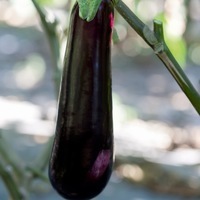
(155, 40)
(129, 16)
(50, 29)
(172, 65)
(10, 158)
(36, 173)
(8, 179)
(49, 26)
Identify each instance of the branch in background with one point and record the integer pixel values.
(10, 183)
(50, 29)
(35, 173)
(50, 26)
(155, 40)
(11, 159)
(19, 175)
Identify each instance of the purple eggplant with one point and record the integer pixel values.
(82, 155)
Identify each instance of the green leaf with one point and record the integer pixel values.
(88, 8)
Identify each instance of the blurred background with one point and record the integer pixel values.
(156, 129)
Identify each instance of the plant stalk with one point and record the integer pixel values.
(155, 39)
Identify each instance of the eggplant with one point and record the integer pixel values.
(82, 154)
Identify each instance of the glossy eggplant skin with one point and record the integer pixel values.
(82, 155)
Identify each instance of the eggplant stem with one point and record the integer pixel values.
(155, 39)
